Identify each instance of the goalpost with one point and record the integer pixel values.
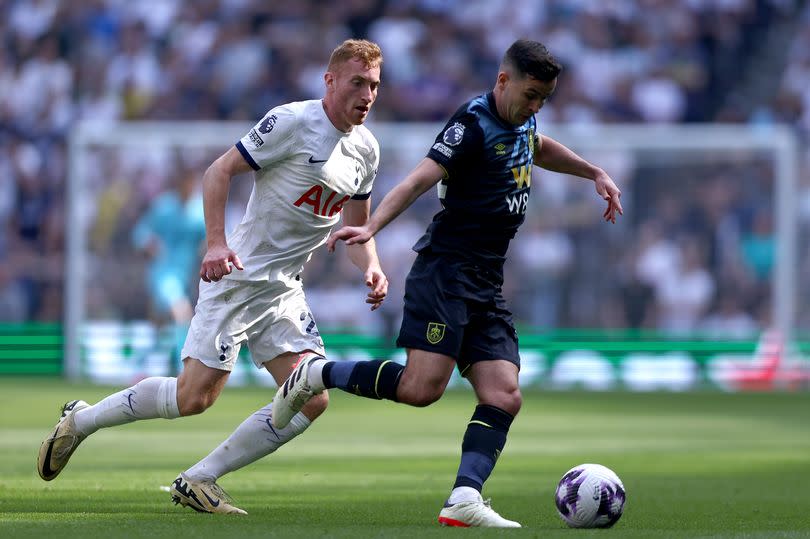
(403, 145)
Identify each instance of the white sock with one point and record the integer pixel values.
(253, 439)
(148, 399)
(464, 494)
(315, 375)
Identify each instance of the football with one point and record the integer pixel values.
(590, 496)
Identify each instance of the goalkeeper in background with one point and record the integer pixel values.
(171, 234)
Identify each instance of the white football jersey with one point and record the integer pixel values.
(306, 170)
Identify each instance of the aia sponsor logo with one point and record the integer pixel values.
(326, 207)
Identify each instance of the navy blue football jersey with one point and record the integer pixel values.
(486, 191)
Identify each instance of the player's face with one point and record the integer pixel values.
(522, 97)
(351, 90)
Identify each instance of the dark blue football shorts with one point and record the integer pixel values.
(456, 308)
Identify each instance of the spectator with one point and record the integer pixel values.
(729, 319)
(684, 298)
(104, 60)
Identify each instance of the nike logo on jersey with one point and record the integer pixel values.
(311, 160)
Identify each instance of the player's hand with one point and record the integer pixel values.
(378, 283)
(349, 234)
(609, 192)
(218, 262)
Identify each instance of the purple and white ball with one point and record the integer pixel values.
(590, 496)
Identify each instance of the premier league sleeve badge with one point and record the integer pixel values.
(454, 134)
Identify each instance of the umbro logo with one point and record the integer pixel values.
(311, 160)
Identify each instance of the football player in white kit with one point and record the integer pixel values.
(313, 160)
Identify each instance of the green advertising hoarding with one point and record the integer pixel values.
(120, 353)
(31, 349)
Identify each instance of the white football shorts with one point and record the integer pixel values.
(272, 318)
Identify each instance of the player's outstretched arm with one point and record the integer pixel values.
(219, 258)
(426, 174)
(364, 255)
(551, 155)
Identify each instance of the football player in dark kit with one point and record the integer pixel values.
(455, 314)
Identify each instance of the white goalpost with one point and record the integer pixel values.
(404, 145)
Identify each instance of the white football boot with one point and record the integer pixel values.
(56, 449)
(477, 513)
(203, 496)
(293, 394)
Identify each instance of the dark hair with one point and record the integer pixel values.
(532, 58)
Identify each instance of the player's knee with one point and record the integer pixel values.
(507, 399)
(510, 401)
(194, 404)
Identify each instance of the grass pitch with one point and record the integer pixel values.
(694, 465)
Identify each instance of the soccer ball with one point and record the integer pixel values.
(590, 496)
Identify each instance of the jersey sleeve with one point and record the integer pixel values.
(373, 163)
(271, 139)
(460, 140)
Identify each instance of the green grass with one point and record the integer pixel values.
(694, 465)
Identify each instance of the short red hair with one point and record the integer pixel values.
(366, 51)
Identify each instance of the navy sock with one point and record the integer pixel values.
(482, 445)
(376, 379)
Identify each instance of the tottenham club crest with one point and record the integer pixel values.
(435, 332)
(454, 134)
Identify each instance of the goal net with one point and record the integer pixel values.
(707, 245)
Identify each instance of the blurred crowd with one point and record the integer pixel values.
(694, 252)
